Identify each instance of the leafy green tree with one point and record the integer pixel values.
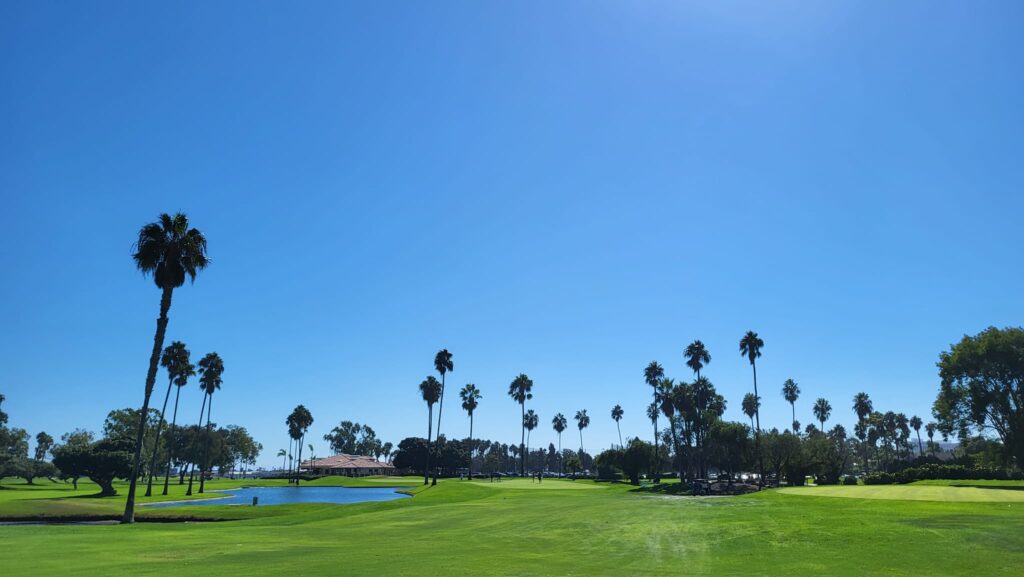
(559, 423)
(982, 388)
(3, 415)
(582, 422)
(617, 413)
(170, 251)
(430, 391)
(78, 439)
(443, 365)
(574, 464)
(470, 396)
(653, 374)
(729, 446)
(791, 392)
(520, 390)
(822, 411)
(530, 420)
(102, 462)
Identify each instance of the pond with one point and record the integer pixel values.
(282, 495)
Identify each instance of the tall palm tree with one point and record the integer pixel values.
(520, 390)
(750, 347)
(822, 411)
(179, 369)
(667, 406)
(653, 374)
(750, 404)
(930, 429)
(530, 420)
(903, 426)
(170, 251)
(791, 392)
(294, 435)
(442, 364)
(617, 413)
(863, 407)
(915, 423)
(303, 421)
(284, 456)
(582, 421)
(470, 396)
(211, 367)
(697, 356)
(559, 423)
(430, 391)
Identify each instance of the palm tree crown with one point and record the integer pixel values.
(582, 419)
(170, 250)
(790, 391)
(559, 423)
(697, 356)
(430, 390)
(862, 405)
(521, 389)
(750, 405)
(653, 373)
(470, 396)
(822, 411)
(750, 346)
(443, 362)
(617, 413)
(211, 367)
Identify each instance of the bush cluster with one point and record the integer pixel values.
(932, 471)
(849, 480)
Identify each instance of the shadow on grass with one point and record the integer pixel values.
(1001, 487)
(664, 489)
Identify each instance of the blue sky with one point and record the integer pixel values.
(568, 190)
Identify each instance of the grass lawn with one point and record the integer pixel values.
(516, 527)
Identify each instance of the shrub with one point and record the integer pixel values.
(933, 471)
(849, 480)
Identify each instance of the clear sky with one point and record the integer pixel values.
(568, 190)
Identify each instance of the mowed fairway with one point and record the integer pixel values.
(521, 528)
(967, 491)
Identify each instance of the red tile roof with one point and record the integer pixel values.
(346, 462)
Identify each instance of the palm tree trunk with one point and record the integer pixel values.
(526, 455)
(675, 446)
(154, 359)
(206, 447)
(920, 448)
(757, 431)
(559, 455)
(174, 421)
(298, 466)
(619, 429)
(522, 440)
(156, 443)
(430, 430)
(471, 447)
(192, 468)
(792, 407)
(657, 454)
(440, 408)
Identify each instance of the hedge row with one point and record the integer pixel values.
(932, 471)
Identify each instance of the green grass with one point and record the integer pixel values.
(517, 527)
(946, 491)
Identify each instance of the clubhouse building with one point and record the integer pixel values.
(348, 466)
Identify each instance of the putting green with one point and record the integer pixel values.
(547, 484)
(964, 494)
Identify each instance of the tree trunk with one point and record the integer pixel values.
(298, 467)
(156, 442)
(471, 446)
(522, 440)
(675, 446)
(174, 421)
(154, 359)
(757, 431)
(920, 448)
(440, 408)
(657, 454)
(192, 468)
(430, 430)
(206, 447)
(560, 470)
(619, 429)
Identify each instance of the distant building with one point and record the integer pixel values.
(348, 466)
